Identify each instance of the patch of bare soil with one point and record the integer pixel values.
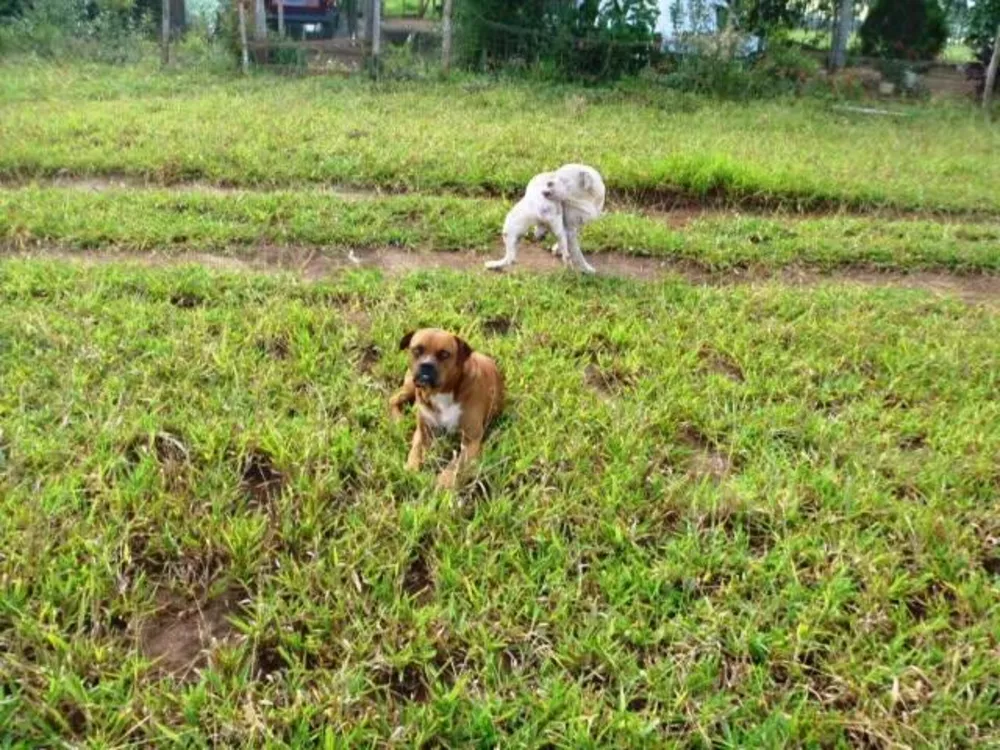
(706, 461)
(367, 357)
(971, 288)
(607, 381)
(313, 264)
(260, 479)
(721, 363)
(179, 638)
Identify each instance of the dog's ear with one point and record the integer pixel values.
(464, 350)
(584, 179)
(404, 343)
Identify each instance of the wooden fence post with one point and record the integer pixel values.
(367, 33)
(281, 19)
(991, 73)
(165, 34)
(376, 6)
(446, 32)
(245, 56)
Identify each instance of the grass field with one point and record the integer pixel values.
(481, 138)
(127, 218)
(749, 516)
(744, 515)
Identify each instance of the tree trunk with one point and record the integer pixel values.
(369, 7)
(259, 21)
(281, 19)
(991, 73)
(245, 56)
(838, 50)
(165, 33)
(446, 32)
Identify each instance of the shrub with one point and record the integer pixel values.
(764, 16)
(591, 41)
(710, 75)
(107, 30)
(904, 29)
(787, 67)
(10, 9)
(716, 70)
(607, 40)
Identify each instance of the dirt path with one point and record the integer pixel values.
(312, 264)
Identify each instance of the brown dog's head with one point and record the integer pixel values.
(436, 357)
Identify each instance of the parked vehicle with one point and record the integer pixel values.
(306, 18)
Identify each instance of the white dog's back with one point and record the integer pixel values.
(580, 188)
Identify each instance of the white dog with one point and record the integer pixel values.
(562, 202)
(536, 209)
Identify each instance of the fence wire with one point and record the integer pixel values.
(411, 33)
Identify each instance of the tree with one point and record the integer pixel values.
(957, 13)
(763, 16)
(841, 34)
(991, 73)
(904, 29)
(153, 11)
(10, 9)
(983, 19)
(590, 40)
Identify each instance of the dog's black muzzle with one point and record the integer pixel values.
(426, 375)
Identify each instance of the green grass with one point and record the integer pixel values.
(477, 137)
(957, 53)
(820, 39)
(238, 222)
(406, 8)
(751, 517)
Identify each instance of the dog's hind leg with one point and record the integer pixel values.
(510, 253)
(560, 248)
(575, 255)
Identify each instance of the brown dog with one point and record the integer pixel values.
(455, 389)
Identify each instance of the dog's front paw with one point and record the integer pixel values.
(496, 265)
(446, 480)
(586, 268)
(413, 463)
